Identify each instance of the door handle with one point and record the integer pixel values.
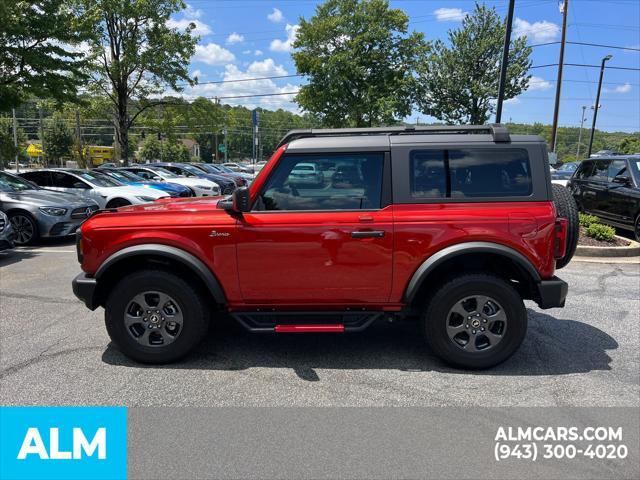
(367, 234)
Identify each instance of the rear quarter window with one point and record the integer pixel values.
(470, 173)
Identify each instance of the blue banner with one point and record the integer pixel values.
(63, 443)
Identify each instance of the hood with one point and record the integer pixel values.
(133, 191)
(48, 198)
(164, 213)
(191, 182)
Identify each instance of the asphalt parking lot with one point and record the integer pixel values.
(53, 351)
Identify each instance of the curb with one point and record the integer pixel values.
(615, 260)
(631, 250)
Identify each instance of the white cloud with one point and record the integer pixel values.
(543, 31)
(275, 16)
(512, 101)
(257, 53)
(246, 52)
(200, 29)
(537, 83)
(197, 74)
(213, 54)
(266, 68)
(190, 12)
(449, 14)
(235, 38)
(247, 87)
(625, 88)
(278, 45)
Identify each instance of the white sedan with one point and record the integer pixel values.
(105, 191)
(201, 187)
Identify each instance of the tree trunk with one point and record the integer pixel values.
(122, 128)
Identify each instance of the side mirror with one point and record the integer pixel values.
(239, 202)
(622, 180)
(157, 179)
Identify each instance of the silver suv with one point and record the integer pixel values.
(35, 212)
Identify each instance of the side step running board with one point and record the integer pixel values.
(306, 322)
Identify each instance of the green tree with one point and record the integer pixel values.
(630, 145)
(39, 51)
(151, 149)
(359, 60)
(137, 55)
(175, 152)
(58, 139)
(8, 151)
(459, 82)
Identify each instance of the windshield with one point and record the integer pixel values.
(116, 175)
(568, 167)
(9, 183)
(634, 163)
(164, 173)
(129, 176)
(192, 169)
(99, 179)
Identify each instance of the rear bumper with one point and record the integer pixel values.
(84, 287)
(552, 293)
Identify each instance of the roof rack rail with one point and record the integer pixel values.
(499, 132)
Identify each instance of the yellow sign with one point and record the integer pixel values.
(99, 155)
(34, 150)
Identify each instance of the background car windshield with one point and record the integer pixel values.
(98, 180)
(164, 172)
(9, 183)
(634, 164)
(191, 169)
(124, 175)
(568, 167)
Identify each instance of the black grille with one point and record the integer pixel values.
(2, 224)
(228, 190)
(186, 193)
(83, 212)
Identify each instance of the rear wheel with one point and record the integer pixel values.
(475, 321)
(155, 316)
(25, 228)
(566, 207)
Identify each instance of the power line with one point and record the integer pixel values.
(586, 65)
(618, 47)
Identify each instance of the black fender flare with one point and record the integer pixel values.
(156, 249)
(458, 249)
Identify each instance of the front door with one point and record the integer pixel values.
(319, 241)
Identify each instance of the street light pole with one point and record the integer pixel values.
(597, 107)
(584, 107)
(505, 61)
(556, 108)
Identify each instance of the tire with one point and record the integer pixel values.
(25, 228)
(566, 207)
(118, 202)
(439, 321)
(636, 229)
(188, 301)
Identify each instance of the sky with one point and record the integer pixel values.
(247, 39)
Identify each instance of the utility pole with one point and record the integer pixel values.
(41, 129)
(597, 106)
(584, 107)
(556, 108)
(15, 138)
(505, 61)
(226, 144)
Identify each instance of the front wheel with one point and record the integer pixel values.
(475, 321)
(154, 316)
(25, 228)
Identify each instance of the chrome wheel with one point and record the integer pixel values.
(24, 228)
(153, 319)
(476, 323)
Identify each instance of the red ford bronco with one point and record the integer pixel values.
(451, 225)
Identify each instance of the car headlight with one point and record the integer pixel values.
(146, 199)
(203, 187)
(53, 211)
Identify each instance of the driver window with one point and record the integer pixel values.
(324, 182)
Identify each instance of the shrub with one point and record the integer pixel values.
(587, 220)
(600, 232)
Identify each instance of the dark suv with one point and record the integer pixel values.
(609, 188)
(453, 226)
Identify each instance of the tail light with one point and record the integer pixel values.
(560, 238)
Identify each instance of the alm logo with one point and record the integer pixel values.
(58, 443)
(33, 445)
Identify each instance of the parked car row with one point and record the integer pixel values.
(53, 202)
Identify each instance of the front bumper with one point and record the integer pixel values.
(84, 287)
(552, 293)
